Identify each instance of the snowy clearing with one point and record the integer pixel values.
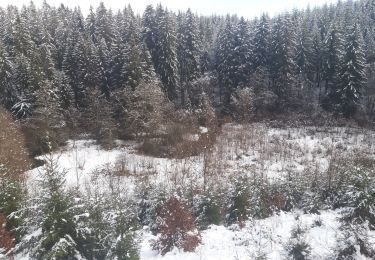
(240, 149)
(267, 237)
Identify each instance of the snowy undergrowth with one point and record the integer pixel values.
(240, 150)
(266, 237)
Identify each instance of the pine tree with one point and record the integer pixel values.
(73, 58)
(283, 70)
(14, 161)
(224, 60)
(98, 117)
(55, 216)
(149, 31)
(316, 58)
(103, 24)
(353, 73)
(136, 67)
(261, 43)
(166, 57)
(22, 108)
(304, 54)
(103, 66)
(188, 51)
(242, 53)
(116, 60)
(331, 67)
(8, 92)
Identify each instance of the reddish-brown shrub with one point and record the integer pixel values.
(276, 202)
(6, 239)
(178, 228)
(14, 160)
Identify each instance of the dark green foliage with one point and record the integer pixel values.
(358, 194)
(233, 58)
(261, 43)
(297, 247)
(57, 49)
(55, 216)
(188, 51)
(160, 36)
(353, 73)
(11, 198)
(150, 202)
(238, 208)
(332, 65)
(207, 210)
(283, 69)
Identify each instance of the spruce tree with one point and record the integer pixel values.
(224, 62)
(166, 56)
(137, 66)
(188, 51)
(331, 67)
(8, 92)
(242, 53)
(353, 73)
(103, 24)
(55, 215)
(283, 69)
(261, 43)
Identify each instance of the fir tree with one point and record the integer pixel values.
(58, 239)
(261, 43)
(8, 92)
(188, 51)
(353, 73)
(166, 57)
(224, 59)
(283, 70)
(332, 66)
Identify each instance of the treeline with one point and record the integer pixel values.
(54, 62)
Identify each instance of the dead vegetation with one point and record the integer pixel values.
(14, 159)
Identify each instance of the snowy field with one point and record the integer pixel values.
(240, 149)
(260, 238)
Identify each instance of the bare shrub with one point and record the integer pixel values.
(14, 159)
(208, 116)
(276, 202)
(142, 112)
(178, 229)
(181, 138)
(6, 239)
(98, 118)
(243, 104)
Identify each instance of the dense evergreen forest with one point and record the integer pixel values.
(55, 62)
(141, 108)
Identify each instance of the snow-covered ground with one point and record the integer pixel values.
(266, 237)
(240, 149)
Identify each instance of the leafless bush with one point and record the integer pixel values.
(142, 112)
(178, 229)
(243, 104)
(14, 159)
(6, 239)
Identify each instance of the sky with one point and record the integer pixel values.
(246, 8)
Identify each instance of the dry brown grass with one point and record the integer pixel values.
(6, 239)
(14, 159)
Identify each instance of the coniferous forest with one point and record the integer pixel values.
(314, 59)
(179, 85)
